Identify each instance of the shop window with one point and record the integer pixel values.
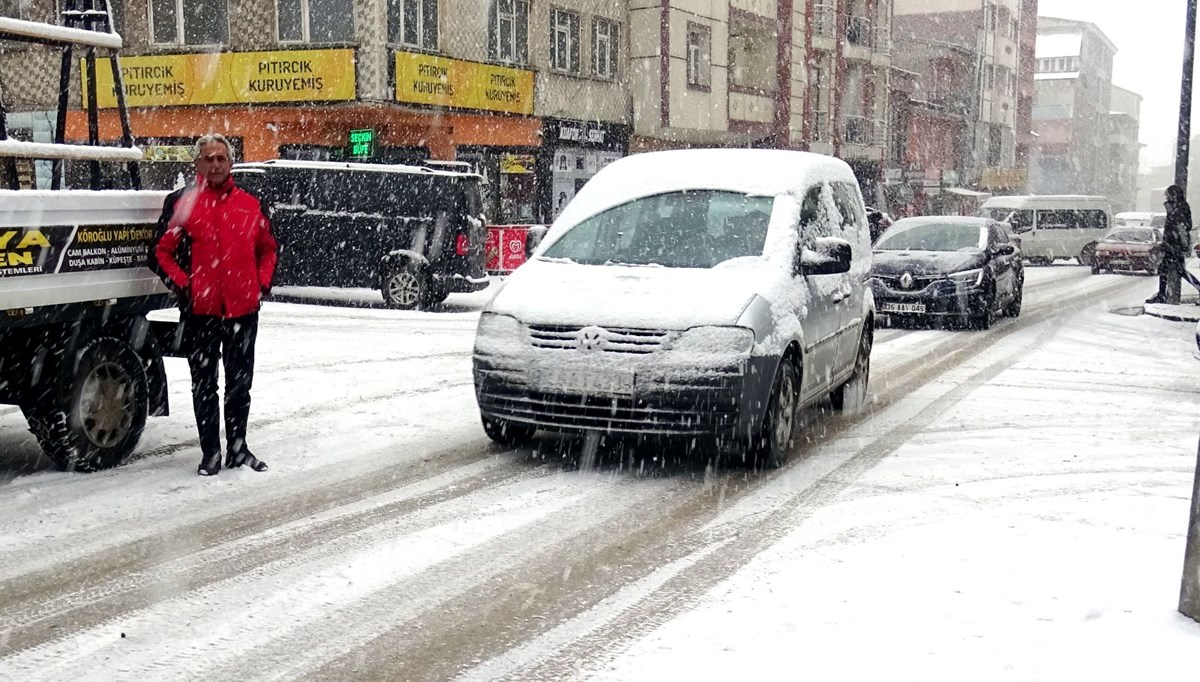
(564, 40)
(189, 22)
(315, 21)
(413, 23)
(699, 56)
(604, 48)
(11, 9)
(508, 31)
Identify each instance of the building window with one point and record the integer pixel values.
(11, 9)
(508, 31)
(413, 23)
(564, 40)
(821, 105)
(605, 47)
(699, 55)
(315, 21)
(858, 25)
(824, 18)
(189, 22)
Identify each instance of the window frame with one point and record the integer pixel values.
(572, 64)
(428, 38)
(693, 67)
(519, 35)
(306, 25)
(181, 27)
(613, 39)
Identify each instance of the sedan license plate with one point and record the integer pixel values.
(590, 381)
(918, 308)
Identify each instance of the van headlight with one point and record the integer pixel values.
(498, 332)
(716, 340)
(968, 277)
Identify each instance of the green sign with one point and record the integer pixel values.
(362, 143)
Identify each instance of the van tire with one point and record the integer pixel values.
(769, 448)
(851, 396)
(506, 433)
(98, 422)
(405, 286)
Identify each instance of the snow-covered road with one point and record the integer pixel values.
(1006, 488)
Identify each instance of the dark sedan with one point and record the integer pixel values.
(955, 268)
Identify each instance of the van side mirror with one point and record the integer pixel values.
(829, 256)
(534, 237)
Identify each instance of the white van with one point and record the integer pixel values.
(698, 293)
(1141, 219)
(1053, 226)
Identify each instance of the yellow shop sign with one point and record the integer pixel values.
(425, 79)
(229, 78)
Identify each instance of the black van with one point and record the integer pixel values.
(415, 233)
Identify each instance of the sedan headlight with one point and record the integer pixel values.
(498, 332)
(716, 340)
(967, 277)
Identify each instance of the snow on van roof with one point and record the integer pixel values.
(766, 172)
(1047, 201)
(348, 165)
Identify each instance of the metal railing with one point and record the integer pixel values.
(860, 130)
(883, 39)
(858, 31)
(824, 19)
(821, 129)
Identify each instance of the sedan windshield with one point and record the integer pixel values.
(939, 236)
(688, 229)
(1130, 237)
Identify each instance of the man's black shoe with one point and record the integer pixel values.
(246, 458)
(210, 465)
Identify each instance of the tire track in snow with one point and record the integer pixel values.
(639, 558)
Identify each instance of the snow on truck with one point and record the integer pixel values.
(77, 352)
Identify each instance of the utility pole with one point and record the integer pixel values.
(1189, 591)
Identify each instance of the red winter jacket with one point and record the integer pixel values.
(232, 251)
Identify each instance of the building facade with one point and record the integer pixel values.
(1124, 122)
(982, 38)
(533, 94)
(1071, 109)
(790, 74)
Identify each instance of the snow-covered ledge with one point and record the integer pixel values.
(73, 152)
(58, 34)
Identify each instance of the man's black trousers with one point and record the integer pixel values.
(211, 340)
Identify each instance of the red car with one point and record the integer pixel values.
(1129, 249)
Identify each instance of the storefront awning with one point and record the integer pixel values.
(967, 192)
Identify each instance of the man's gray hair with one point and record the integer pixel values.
(210, 138)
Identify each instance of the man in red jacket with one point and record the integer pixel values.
(218, 255)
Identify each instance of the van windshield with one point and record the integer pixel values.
(687, 229)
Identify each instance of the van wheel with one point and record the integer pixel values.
(507, 433)
(851, 396)
(1088, 254)
(404, 287)
(769, 448)
(99, 422)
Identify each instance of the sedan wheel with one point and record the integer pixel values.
(985, 317)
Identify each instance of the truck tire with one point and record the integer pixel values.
(96, 420)
(405, 286)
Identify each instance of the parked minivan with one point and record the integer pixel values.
(415, 233)
(1053, 226)
(697, 293)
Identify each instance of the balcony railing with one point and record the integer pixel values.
(824, 20)
(860, 130)
(858, 31)
(881, 133)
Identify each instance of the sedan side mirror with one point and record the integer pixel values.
(1021, 229)
(1004, 250)
(829, 256)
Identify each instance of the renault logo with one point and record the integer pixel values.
(906, 281)
(591, 338)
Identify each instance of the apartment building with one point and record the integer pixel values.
(1072, 107)
(533, 93)
(1124, 123)
(796, 74)
(981, 42)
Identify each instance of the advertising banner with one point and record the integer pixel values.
(228, 78)
(504, 250)
(440, 81)
(73, 248)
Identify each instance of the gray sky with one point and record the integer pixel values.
(1149, 39)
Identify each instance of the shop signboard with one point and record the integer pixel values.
(893, 176)
(441, 81)
(228, 78)
(168, 153)
(362, 143)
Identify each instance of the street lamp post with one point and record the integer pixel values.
(1189, 591)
